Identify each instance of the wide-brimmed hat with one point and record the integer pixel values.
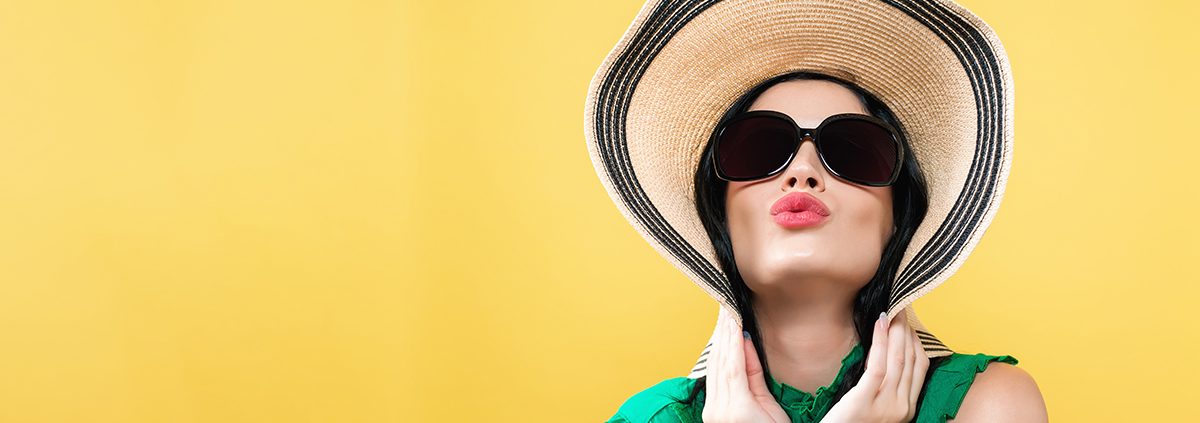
(941, 70)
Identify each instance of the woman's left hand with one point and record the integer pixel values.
(892, 382)
(736, 391)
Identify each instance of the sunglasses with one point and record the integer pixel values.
(759, 144)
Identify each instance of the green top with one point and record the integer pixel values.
(665, 402)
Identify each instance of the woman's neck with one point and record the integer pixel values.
(806, 342)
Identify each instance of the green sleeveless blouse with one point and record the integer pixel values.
(666, 401)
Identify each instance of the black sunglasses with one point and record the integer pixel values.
(859, 148)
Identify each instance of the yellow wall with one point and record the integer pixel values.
(245, 211)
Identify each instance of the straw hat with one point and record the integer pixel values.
(941, 70)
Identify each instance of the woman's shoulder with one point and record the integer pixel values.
(665, 401)
(1004, 391)
(946, 396)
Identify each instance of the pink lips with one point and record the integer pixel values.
(799, 209)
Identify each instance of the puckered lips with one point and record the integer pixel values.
(798, 210)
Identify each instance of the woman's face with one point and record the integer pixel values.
(844, 249)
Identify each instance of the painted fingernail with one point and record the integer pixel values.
(746, 334)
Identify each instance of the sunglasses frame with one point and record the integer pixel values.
(812, 134)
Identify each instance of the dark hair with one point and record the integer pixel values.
(910, 201)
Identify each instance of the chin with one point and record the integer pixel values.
(795, 264)
(808, 262)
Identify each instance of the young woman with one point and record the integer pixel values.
(815, 280)
(814, 203)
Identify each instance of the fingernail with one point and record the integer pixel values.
(746, 334)
(883, 319)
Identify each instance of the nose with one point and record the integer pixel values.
(805, 169)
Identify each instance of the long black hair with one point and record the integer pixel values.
(910, 201)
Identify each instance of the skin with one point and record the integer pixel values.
(805, 280)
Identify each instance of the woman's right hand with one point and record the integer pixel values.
(736, 390)
(892, 381)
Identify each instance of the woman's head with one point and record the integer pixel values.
(837, 256)
(860, 244)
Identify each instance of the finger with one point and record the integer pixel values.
(876, 363)
(736, 370)
(754, 371)
(713, 379)
(905, 388)
(895, 355)
(920, 367)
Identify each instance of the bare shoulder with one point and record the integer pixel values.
(1002, 393)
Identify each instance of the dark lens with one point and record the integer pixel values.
(859, 150)
(755, 146)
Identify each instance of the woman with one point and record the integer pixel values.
(811, 245)
(805, 278)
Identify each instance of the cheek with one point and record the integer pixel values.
(736, 215)
(744, 224)
(885, 214)
(861, 224)
(872, 216)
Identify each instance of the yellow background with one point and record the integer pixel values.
(244, 211)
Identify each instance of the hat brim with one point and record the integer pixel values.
(942, 71)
